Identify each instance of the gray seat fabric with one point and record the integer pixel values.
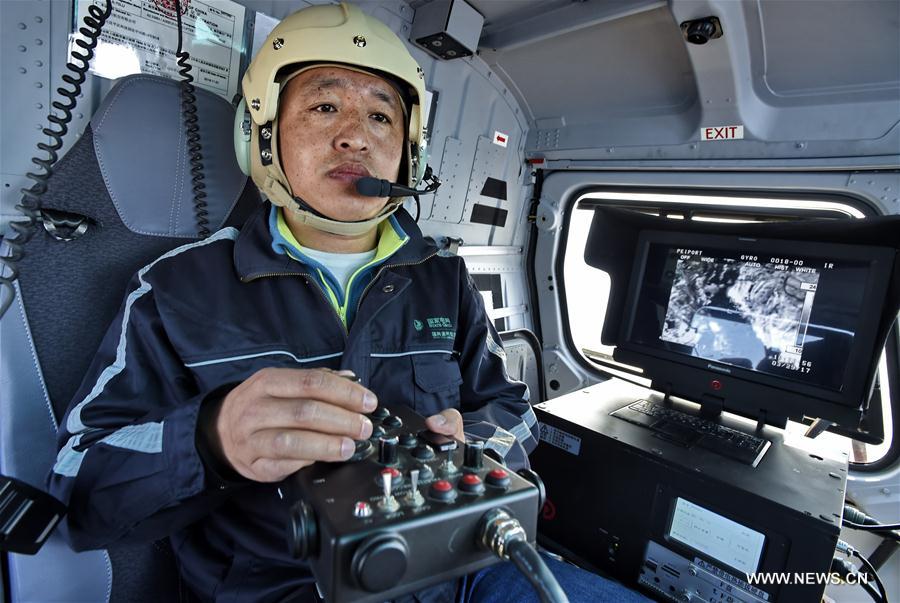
(128, 176)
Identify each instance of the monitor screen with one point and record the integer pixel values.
(789, 315)
(744, 319)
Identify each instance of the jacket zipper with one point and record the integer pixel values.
(382, 269)
(306, 277)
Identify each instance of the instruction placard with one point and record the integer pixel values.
(141, 36)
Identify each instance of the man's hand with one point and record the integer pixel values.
(281, 420)
(447, 422)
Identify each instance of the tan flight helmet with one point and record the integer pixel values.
(336, 35)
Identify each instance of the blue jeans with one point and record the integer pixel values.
(502, 582)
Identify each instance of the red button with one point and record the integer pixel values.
(391, 471)
(498, 474)
(470, 479)
(441, 485)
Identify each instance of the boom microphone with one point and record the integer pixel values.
(377, 187)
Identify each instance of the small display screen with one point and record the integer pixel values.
(789, 316)
(716, 536)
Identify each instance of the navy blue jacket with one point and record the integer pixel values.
(206, 316)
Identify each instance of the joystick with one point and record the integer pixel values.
(407, 513)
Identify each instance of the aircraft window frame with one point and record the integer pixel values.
(731, 206)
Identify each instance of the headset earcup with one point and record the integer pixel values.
(242, 130)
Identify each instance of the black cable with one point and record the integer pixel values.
(847, 570)
(192, 132)
(871, 592)
(872, 527)
(870, 569)
(530, 564)
(30, 205)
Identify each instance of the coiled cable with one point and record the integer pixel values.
(30, 205)
(192, 132)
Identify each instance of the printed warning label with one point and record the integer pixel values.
(559, 438)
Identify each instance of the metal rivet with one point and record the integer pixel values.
(22, 70)
(278, 43)
(255, 104)
(22, 48)
(38, 19)
(39, 106)
(38, 85)
(388, 288)
(266, 133)
(22, 26)
(39, 63)
(360, 41)
(38, 42)
(267, 155)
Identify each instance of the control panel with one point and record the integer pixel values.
(677, 578)
(408, 510)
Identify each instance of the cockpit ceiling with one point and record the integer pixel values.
(788, 70)
(818, 48)
(630, 66)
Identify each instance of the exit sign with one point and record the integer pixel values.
(722, 133)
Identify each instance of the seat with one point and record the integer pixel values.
(523, 361)
(127, 182)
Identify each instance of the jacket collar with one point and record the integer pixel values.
(254, 256)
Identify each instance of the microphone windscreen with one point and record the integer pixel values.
(373, 187)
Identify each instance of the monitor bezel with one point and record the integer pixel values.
(746, 391)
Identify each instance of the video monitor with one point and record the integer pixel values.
(782, 327)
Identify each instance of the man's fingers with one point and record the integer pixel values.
(315, 384)
(447, 422)
(300, 445)
(311, 415)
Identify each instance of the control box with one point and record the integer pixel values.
(684, 521)
(407, 511)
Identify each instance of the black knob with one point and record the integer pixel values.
(473, 455)
(425, 473)
(387, 450)
(362, 450)
(303, 531)
(380, 413)
(423, 452)
(392, 422)
(379, 563)
(378, 431)
(409, 440)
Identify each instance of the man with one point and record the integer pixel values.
(226, 369)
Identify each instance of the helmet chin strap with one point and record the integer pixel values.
(307, 215)
(278, 195)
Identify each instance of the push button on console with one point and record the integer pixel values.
(470, 484)
(380, 413)
(442, 491)
(498, 478)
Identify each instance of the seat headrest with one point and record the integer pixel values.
(139, 141)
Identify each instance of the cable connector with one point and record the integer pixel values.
(500, 529)
(854, 515)
(845, 548)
